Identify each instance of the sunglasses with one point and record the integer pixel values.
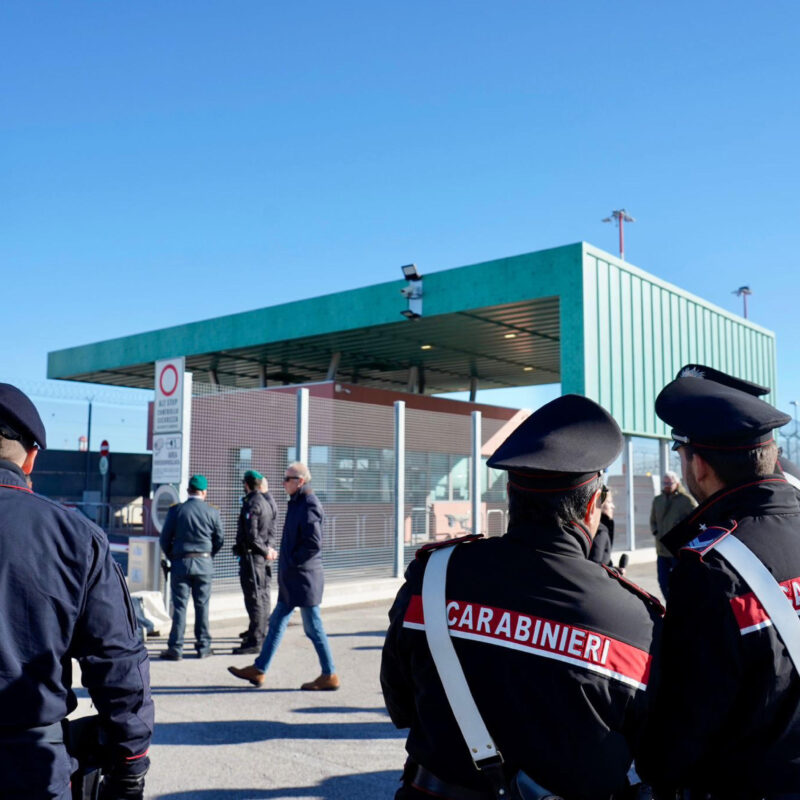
(291, 478)
(603, 494)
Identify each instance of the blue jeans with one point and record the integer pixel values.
(312, 625)
(664, 565)
(190, 576)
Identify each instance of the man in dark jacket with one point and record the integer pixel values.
(300, 582)
(62, 596)
(555, 648)
(191, 537)
(255, 539)
(726, 722)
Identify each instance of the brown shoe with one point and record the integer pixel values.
(256, 677)
(325, 683)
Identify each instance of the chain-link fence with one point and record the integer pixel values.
(351, 455)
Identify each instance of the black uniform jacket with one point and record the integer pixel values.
(556, 651)
(727, 712)
(62, 596)
(255, 529)
(192, 527)
(301, 577)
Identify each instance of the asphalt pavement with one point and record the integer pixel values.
(218, 738)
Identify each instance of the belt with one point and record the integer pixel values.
(426, 781)
(196, 555)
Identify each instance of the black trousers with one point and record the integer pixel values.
(255, 577)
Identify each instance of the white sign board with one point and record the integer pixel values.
(168, 405)
(167, 458)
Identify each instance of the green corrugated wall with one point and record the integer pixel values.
(640, 330)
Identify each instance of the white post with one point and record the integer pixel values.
(302, 426)
(399, 486)
(631, 525)
(475, 482)
(663, 456)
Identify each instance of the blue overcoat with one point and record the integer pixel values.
(300, 574)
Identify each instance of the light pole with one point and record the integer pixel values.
(742, 292)
(88, 441)
(620, 216)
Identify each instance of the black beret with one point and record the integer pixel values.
(561, 445)
(711, 374)
(717, 414)
(20, 417)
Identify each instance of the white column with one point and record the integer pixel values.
(302, 426)
(475, 489)
(399, 486)
(631, 527)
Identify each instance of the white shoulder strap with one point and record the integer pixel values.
(767, 590)
(448, 666)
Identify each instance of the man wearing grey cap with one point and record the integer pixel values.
(62, 596)
(555, 648)
(726, 721)
(190, 538)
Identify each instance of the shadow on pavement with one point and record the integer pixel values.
(156, 690)
(381, 633)
(242, 731)
(362, 786)
(341, 710)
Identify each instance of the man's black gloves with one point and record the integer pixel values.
(125, 780)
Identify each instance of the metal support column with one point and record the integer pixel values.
(333, 366)
(399, 486)
(663, 456)
(630, 523)
(475, 491)
(302, 426)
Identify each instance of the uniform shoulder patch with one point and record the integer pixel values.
(706, 540)
(650, 599)
(427, 549)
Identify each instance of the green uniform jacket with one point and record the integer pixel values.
(668, 510)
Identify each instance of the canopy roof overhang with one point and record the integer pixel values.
(573, 315)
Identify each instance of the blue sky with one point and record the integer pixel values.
(174, 161)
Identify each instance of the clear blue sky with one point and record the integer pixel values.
(173, 161)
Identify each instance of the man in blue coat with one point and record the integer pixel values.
(300, 582)
(191, 537)
(62, 596)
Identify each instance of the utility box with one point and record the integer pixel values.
(144, 564)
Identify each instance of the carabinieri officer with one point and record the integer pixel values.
(726, 723)
(61, 597)
(555, 647)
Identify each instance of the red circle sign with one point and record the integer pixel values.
(168, 380)
(104, 448)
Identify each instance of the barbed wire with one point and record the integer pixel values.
(70, 391)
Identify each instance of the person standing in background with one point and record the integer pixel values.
(670, 507)
(191, 537)
(255, 537)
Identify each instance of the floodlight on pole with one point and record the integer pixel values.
(742, 292)
(620, 216)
